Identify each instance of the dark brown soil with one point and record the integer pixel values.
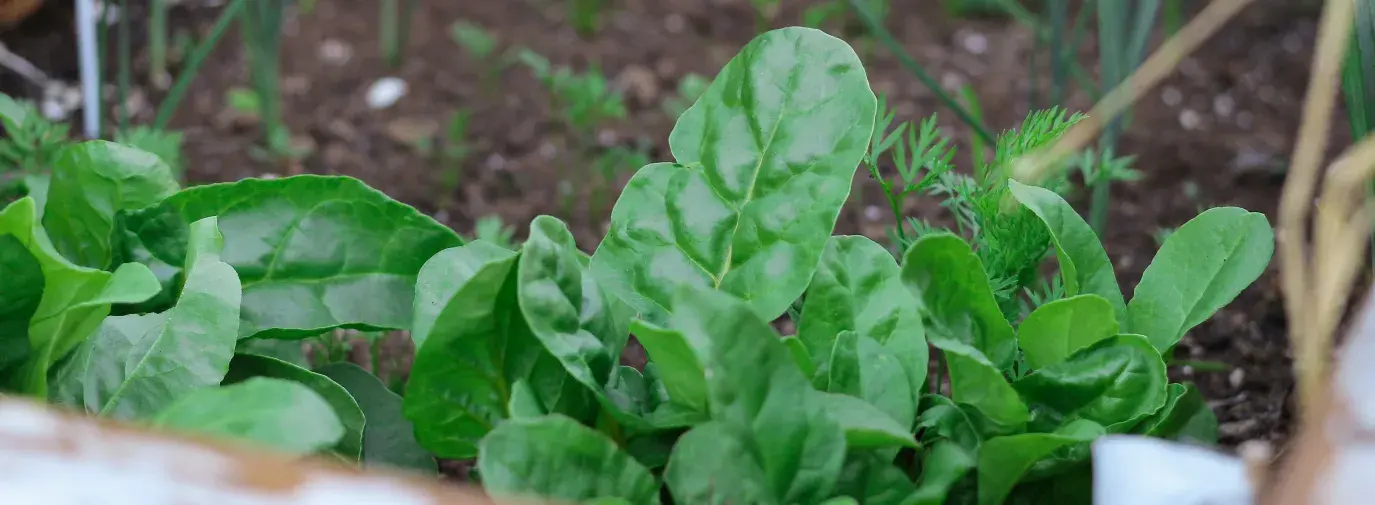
(1217, 133)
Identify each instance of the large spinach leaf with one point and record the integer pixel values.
(554, 457)
(75, 299)
(280, 414)
(137, 365)
(765, 160)
(1203, 266)
(314, 252)
(91, 183)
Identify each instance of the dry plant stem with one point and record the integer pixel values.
(1309, 340)
(1146, 77)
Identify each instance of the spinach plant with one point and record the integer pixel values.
(130, 297)
(482, 47)
(584, 102)
(705, 251)
(133, 298)
(30, 145)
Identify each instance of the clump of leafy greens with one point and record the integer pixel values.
(517, 348)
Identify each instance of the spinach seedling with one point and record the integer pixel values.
(482, 47)
(690, 87)
(586, 16)
(491, 228)
(31, 142)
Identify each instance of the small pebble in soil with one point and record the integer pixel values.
(385, 92)
(975, 43)
(496, 162)
(872, 212)
(1171, 96)
(952, 81)
(335, 52)
(1224, 105)
(1237, 377)
(1190, 119)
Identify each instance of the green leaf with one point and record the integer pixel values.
(554, 457)
(137, 365)
(471, 345)
(277, 413)
(872, 475)
(524, 402)
(1003, 460)
(290, 351)
(1203, 266)
(75, 299)
(21, 289)
(843, 372)
(757, 395)
(92, 181)
(566, 309)
(1185, 417)
(1055, 330)
(944, 465)
(388, 438)
(12, 114)
(942, 419)
(858, 286)
(1084, 265)
(800, 356)
(1116, 380)
(863, 368)
(976, 383)
(714, 463)
(677, 365)
(865, 426)
(247, 366)
(314, 252)
(947, 275)
(765, 160)
(632, 392)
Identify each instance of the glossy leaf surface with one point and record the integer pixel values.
(21, 289)
(858, 286)
(676, 363)
(92, 181)
(1203, 266)
(314, 252)
(565, 309)
(1116, 380)
(388, 438)
(1084, 265)
(947, 275)
(759, 399)
(137, 365)
(865, 426)
(765, 160)
(75, 299)
(280, 414)
(1055, 330)
(471, 345)
(975, 383)
(554, 457)
(247, 366)
(1003, 460)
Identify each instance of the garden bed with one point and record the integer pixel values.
(1216, 133)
